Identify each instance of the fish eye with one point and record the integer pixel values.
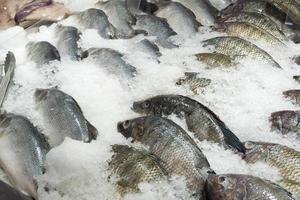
(221, 179)
(126, 124)
(249, 145)
(146, 104)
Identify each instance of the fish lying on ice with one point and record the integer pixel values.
(194, 81)
(42, 52)
(286, 121)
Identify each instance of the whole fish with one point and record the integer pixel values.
(119, 16)
(213, 60)
(96, 19)
(260, 20)
(177, 151)
(244, 187)
(236, 46)
(67, 44)
(205, 13)
(194, 81)
(286, 159)
(156, 26)
(199, 119)
(249, 31)
(42, 52)
(62, 117)
(181, 19)
(293, 95)
(9, 193)
(7, 74)
(112, 62)
(23, 152)
(134, 166)
(285, 121)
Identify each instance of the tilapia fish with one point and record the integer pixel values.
(156, 26)
(200, 120)
(112, 61)
(244, 187)
(177, 151)
(236, 46)
(42, 52)
(97, 19)
(67, 44)
(134, 166)
(194, 81)
(62, 117)
(286, 159)
(293, 95)
(262, 21)
(23, 152)
(286, 121)
(249, 31)
(9, 193)
(181, 19)
(213, 60)
(149, 48)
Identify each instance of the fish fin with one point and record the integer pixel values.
(93, 132)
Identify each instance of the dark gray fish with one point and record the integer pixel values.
(7, 74)
(67, 44)
(286, 121)
(148, 48)
(244, 187)
(23, 152)
(181, 19)
(112, 61)
(97, 19)
(297, 78)
(42, 52)
(62, 117)
(9, 193)
(156, 26)
(293, 95)
(201, 120)
(134, 166)
(177, 151)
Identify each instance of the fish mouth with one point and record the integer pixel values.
(40, 94)
(27, 9)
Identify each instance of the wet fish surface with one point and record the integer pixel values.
(156, 26)
(97, 19)
(112, 61)
(238, 186)
(236, 46)
(194, 81)
(286, 121)
(134, 166)
(200, 120)
(177, 151)
(293, 95)
(62, 117)
(149, 48)
(286, 159)
(213, 60)
(23, 152)
(42, 52)
(181, 19)
(67, 44)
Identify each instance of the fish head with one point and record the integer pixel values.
(132, 128)
(222, 187)
(284, 120)
(256, 151)
(41, 95)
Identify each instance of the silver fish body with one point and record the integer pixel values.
(23, 152)
(62, 117)
(177, 151)
(149, 48)
(42, 52)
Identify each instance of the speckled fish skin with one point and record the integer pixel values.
(286, 121)
(203, 122)
(112, 61)
(286, 159)
(204, 12)
(181, 19)
(97, 19)
(42, 52)
(156, 26)
(194, 81)
(177, 151)
(244, 187)
(249, 31)
(293, 95)
(62, 117)
(260, 20)
(236, 46)
(292, 187)
(119, 16)
(213, 60)
(67, 45)
(134, 166)
(23, 152)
